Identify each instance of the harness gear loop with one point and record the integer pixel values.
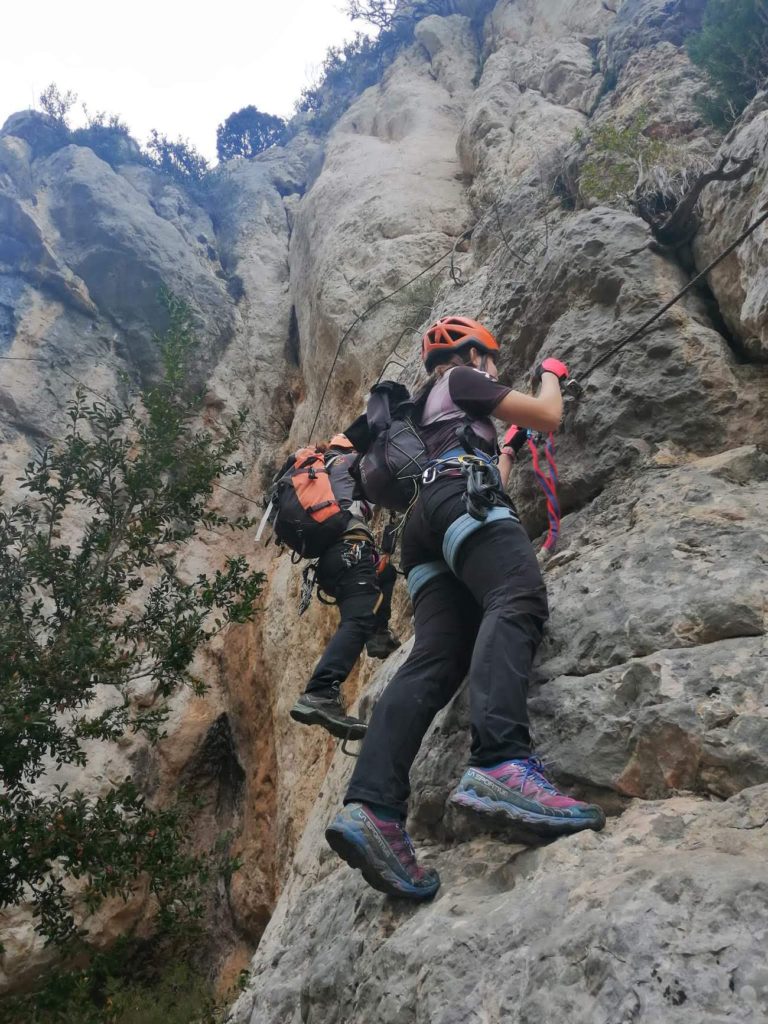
(308, 581)
(483, 489)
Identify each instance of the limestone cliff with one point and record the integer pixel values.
(651, 686)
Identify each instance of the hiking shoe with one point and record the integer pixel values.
(381, 644)
(519, 792)
(383, 851)
(325, 708)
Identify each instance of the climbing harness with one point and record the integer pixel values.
(483, 491)
(456, 535)
(421, 574)
(462, 528)
(484, 501)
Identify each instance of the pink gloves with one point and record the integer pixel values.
(551, 365)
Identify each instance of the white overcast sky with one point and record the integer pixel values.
(180, 67)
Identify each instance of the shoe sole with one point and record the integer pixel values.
(354, 853)
(543, 826)
(311, 716)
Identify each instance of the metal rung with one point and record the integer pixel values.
(344, 743)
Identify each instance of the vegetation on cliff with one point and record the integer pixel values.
(732, 47)
(99, 626)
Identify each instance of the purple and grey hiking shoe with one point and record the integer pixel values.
(518, 792)
(383, 851)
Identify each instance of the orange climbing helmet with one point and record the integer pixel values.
(451, 334)
(340, 441)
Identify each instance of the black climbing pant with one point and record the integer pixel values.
(347, 572)
(487, 620)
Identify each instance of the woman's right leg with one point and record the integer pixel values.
(369, 833)
(446, 620)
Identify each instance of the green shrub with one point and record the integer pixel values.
(346, 72)
(619, 154)
(92, 602)
(247, 132)
(106, 134)
(179, 160)
(160, 984)
(378, 13)
(732, 48)
(57, 104)
(108, 137)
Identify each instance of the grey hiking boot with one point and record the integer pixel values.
(381, 644)
(382, 850)
(325, 708)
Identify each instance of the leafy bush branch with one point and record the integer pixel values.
(620, 157)
(99, 628)
(732, 48)
(108, 136)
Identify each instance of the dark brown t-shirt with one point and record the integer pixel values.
(463, 392)
(475, 392)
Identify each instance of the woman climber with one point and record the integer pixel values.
(479, 606)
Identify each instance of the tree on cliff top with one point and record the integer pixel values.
(247, 132)
(378, 13)
(732, 47)
(99, 625)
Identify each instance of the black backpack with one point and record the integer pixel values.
(390, 469)
(306, 514)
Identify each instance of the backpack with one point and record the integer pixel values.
(390, 470)
(307, 518)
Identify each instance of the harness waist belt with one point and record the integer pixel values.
(455, 453)
(464, 527)
(421, 574)
(454, 462)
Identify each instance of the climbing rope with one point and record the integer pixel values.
(359, 319)
(445, 255)
(684, 291)
(548, 485)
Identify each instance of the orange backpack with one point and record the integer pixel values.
(308, 517)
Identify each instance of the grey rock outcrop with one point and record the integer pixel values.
(659, 918)
(650, 689)
(643, 24)
(739, 283)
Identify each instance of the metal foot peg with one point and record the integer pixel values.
(345, 741)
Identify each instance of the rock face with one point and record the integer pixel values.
(739, 282)
(448, 187)
(658, 918)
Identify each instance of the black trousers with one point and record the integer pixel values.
(347, 571)
(487, 620)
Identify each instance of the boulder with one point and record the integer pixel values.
(740, 283)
